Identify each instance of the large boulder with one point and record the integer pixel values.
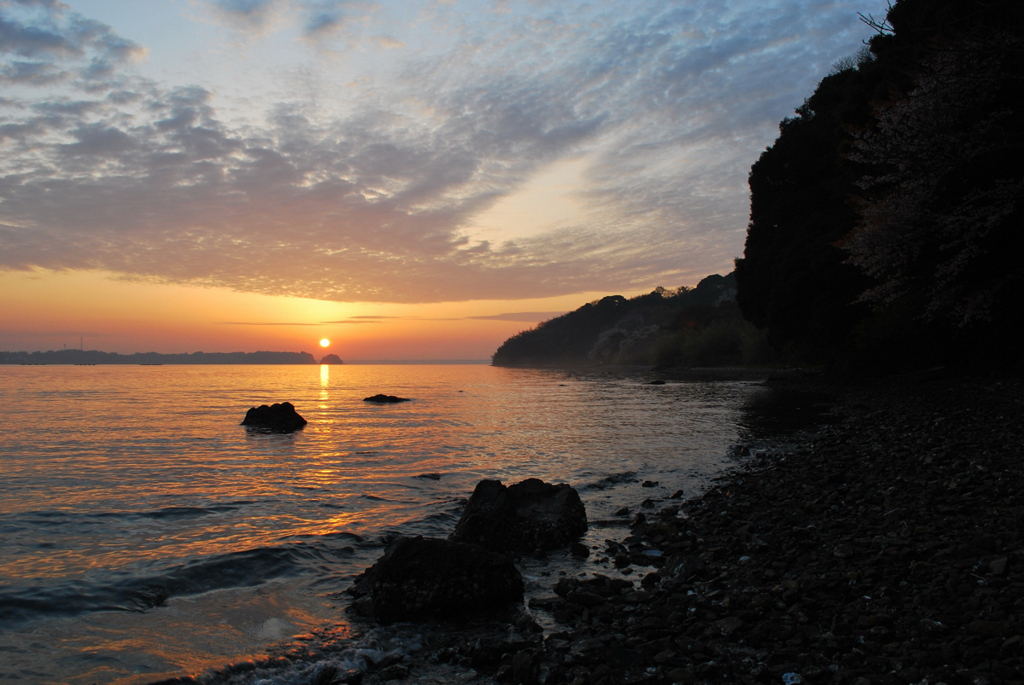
(277, 417)
(419, 578)
(522, 518)
(381, 398)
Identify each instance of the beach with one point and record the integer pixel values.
(882, 544)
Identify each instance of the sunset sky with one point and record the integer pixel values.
(412, 180)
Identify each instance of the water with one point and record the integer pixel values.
(145, 534)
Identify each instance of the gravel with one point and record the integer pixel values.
(881, 545)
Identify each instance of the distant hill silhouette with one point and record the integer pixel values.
(663, 327)
(97, 357)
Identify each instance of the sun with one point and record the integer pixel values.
(324, 342)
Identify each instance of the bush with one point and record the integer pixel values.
(723, 342)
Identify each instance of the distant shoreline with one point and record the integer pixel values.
(98, 358)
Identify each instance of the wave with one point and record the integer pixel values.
(62, 518)
(612, 480)
(126, 591)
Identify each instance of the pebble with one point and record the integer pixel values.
(879, 547)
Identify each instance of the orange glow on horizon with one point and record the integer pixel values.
(51, 310)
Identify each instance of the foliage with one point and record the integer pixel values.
(713, 336)
(613, 330)
(792, 279)
(885, 218)
(943, 200)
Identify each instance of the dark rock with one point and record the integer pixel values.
(521, 518)
(622, 511)
(419, 578)
(393, 672)
(584, 598)
(579, 550)
(650, 484)
(385, 399)
(277, 417)
(331, 359)
(884, 546)
(657, 382)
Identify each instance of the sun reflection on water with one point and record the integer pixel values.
(142, 475)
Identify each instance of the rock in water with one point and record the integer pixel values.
(331, 359)
(278, 417)
(385, 399)
(521, 518)
(420, 578)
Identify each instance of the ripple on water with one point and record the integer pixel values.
(143, 527)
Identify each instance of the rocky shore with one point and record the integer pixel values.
(882, 545)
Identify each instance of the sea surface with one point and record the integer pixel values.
(145, 534)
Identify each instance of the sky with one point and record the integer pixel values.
(411, 180)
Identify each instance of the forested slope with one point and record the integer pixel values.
(885, 219)
(660, 327)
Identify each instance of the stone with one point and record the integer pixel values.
(579, 550)
(393, 672)
(521, 518)
(331, 359)
(584, 598)
(727, 626)
(425, 578)
(893, 573)
(380, 398)
(276, 417)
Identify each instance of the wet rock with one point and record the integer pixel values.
(386, 399)
(276, 417)
(419, 578)
(579, 550)
(881, 547)
(584, 598)
(727, 626)
(393, 672)
(522, 517)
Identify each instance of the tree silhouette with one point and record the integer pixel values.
(940, 216)
(898, 186)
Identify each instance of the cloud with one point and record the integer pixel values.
(527, 317)
(252, 14)
(42, 42)
(319, 19)
(266, 323)
(378, 202)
